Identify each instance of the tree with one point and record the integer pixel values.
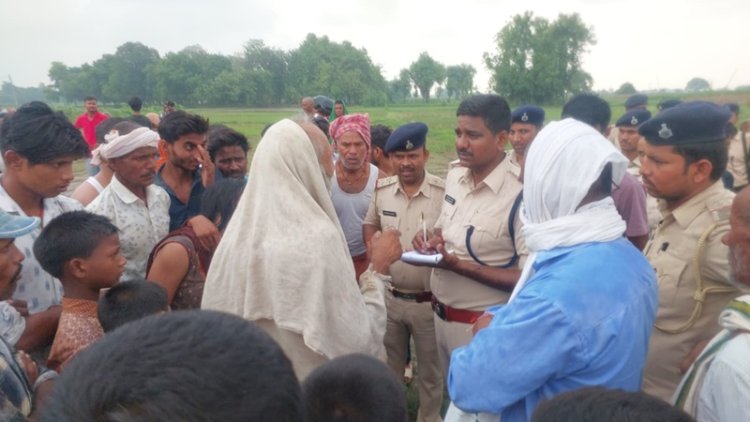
(179, 76)
(697, 84)
(126, 72)
(459, 80)
(539, 61)
(259, 60)
(341, 71)
(426, 72)
(399, 88)
(626, 89)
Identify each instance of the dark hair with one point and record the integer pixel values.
(493, 109)
(129, 301)
(104, 127)
(715, 152)
(596, 404)
(590, 109)
(221, 199)
(181, 366)
(731, 131)
(89, 98)
(169, 103)
(354, 388)
(380, 135)
(135, 104)
(322, 124)
(180, 123)
(41, 135)
(70, 235)
(733, 107)
(220, 136)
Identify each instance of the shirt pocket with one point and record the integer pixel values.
(389, 220)
(676, 285)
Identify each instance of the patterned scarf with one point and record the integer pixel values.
(735, 319)
(358, 123)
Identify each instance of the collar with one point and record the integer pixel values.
(687, 212)
(495, 180)
(424, 189)
(196, 179)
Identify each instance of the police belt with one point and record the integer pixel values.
(450, 314)
(413, 297)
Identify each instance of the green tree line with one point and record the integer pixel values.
(535, 61)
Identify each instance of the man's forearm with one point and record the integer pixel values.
(498, 278)
(40, 329)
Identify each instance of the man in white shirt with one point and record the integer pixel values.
(39, 147)
(138, 207)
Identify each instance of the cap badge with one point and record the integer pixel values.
(665, 132)
(409, 145)
(525, 117)
(634, 121)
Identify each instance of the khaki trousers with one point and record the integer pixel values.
(410, 319)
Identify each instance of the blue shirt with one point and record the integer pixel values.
(180, 212)
(583, 319)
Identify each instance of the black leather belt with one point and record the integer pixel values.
(414, 297)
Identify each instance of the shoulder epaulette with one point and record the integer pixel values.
(386, 181)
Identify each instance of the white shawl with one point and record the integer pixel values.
(564, 160)
(284, 257)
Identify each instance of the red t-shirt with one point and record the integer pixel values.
(88, 125)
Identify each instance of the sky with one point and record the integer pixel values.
(654, 44)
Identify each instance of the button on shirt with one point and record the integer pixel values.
(180, 212)
(141, 225)
(485, 206)
(391, 208)
(37, 287)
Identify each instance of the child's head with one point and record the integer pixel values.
(180, 366)
(129, 301)
(354, 388)
(81, 246)
(39, 147)
(220, 199)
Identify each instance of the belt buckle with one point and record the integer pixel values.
(439, 309)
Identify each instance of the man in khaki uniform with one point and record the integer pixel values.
(681, 163)
(633, 102)
(478, 231)
(525, 122)
(738, 151)
(410, 202)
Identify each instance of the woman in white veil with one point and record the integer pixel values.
(283, 261)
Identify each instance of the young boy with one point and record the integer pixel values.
(39, 147)
(83, 250)
(130, 301)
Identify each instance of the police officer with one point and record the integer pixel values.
(478, 232)
(682, 161)
(525, 122)
(628, 136)
(633, 102)
(410, 202)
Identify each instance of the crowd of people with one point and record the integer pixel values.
(564, 269)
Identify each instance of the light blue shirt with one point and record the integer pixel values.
(583, 319)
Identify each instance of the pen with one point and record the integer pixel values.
(424, 227)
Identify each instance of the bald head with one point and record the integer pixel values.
(308, 105)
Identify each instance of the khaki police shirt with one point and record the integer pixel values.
(391, 207)
(487, 207)
(736, 163)
(670, 252)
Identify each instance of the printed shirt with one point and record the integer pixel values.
(584, 318)
(141, 225)
(78, 328)
(36, 286)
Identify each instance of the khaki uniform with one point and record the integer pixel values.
(652, 205)
(392, 208)
(736, 164)
(671, 251)
(486, 207)
(513, 161)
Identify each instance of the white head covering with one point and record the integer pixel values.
(283, 255)
(119, 145)
(564, 161)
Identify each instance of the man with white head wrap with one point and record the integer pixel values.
(283, 260)
(583, 310)
(135, 205)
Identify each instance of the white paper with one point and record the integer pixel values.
(414, 257)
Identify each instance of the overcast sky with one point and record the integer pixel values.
(651, 43)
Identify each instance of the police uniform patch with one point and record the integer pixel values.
(525, 117)
(634, 121)
(389, 213)
(665, 132)
(449, 199)
(409, 145)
